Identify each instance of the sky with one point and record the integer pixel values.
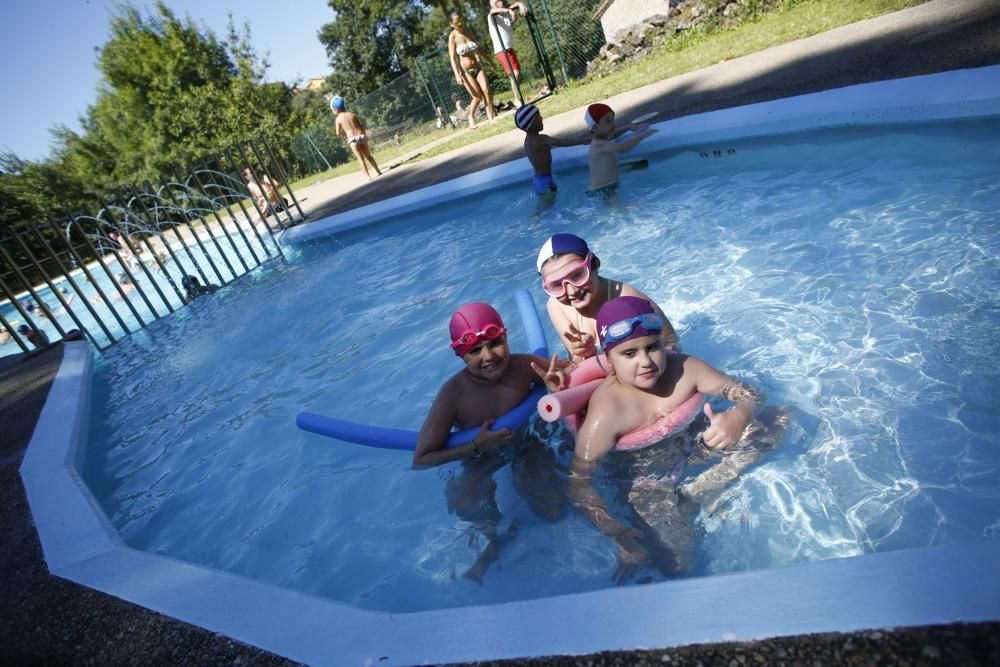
(50, 77)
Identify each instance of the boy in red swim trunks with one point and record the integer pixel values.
(493, 382)
(649, 386)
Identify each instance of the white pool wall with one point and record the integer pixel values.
(923, 586)
(969, 93)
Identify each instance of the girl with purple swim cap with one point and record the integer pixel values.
(645, 384)
(492, 383)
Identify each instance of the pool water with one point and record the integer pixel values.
(852, 274)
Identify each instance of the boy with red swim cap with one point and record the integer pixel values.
(647, 386)
(493, 382)
(600, 119)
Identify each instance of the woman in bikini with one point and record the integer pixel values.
(463, 51)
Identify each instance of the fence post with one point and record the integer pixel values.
(312, 143)
(434, 104)
(555, 40)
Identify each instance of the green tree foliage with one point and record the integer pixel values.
(372, 42)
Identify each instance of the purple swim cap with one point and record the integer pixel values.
(622, 309)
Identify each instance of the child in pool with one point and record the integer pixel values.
(538, 148)
(569, 273)
(646, 384)
(350, 126)
(604, 151)
(493, 382)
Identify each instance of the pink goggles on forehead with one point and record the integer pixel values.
(576, 275)
(468, 340)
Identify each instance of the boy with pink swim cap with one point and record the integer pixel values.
(604, 151)
(493, 382)
(646, 384)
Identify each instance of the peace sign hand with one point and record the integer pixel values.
(556, 376)
(581, 343)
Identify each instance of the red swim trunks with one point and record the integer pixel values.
(502, 56)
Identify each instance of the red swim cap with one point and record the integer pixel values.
(596, 112)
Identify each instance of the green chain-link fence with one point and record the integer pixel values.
(553, 45)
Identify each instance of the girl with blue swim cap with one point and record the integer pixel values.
(350, 126)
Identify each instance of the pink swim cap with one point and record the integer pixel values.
(596, 112)
(472, 317)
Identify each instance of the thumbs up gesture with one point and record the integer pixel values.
(726, 427)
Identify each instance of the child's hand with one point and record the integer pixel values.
(556, 377)
(487, 439)
(725, 428)
(582, 343)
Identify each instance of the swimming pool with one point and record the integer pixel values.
(763, 312)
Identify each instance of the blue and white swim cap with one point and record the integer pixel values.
(524, 116)
(337, 103)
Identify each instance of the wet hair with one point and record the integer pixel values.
(190, 282)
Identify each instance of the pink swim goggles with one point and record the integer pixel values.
(468, 340)
(576, 275)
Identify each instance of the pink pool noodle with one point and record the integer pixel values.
(568, 401)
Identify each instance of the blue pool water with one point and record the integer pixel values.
(852, 274)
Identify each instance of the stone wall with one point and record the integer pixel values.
(624, 14)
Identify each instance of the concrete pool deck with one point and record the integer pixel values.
(62, 624)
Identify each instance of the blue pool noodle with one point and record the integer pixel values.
(396, 438)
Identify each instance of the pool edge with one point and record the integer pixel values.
(925, 586)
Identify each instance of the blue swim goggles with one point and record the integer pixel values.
(623, 329)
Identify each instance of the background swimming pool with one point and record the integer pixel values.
(853, 274)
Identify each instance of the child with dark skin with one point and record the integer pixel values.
(493, 382)
(538, 148)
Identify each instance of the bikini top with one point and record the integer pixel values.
(468, 47)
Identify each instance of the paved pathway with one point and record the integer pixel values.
(50, 620)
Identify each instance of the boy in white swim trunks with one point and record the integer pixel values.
(350, 126)
(662, 392)
(538, 148)
(604, 151)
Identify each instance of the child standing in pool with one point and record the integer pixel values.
(350, 126)
(649, 386)
(604, 151)
(538, 148)
(493, 382)
(569, 273)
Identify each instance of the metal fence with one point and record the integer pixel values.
(143, 252)
(554, 44)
